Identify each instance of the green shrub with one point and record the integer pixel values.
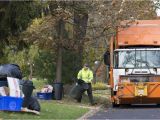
(99, 86)
(39, 84)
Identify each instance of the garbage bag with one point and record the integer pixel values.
(27, 89)
(83, 84)
(76, 91)
(10, 70)
(34, 104)
(80, 82)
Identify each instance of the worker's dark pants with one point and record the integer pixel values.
(89, 92)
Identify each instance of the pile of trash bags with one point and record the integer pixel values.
(26, 86)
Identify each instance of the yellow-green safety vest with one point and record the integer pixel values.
(85, 75)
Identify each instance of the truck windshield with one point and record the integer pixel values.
(137, 59)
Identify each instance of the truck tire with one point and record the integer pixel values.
(114, 105)
(158, 105)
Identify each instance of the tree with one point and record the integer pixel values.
(52, 33)
(63, 30)
(15, 18)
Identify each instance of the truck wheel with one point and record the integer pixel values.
(158, 105)
(114, 105)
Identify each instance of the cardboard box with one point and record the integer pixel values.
(14, 89)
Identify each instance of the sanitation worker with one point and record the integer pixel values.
(85, 77)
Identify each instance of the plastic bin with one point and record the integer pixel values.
(44, 96)
(58, 89)
(10, 103)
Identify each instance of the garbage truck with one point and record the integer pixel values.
(134, 63)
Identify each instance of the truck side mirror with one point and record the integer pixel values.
(107, 58)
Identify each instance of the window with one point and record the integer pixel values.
(137, 59)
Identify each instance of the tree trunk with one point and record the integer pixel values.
(59, 66)
(60, 31)
(80, 20)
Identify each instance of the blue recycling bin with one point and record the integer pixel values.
(44, 96)
(8, 103)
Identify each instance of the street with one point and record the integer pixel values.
(129, 112)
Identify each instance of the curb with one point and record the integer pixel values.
(93, 110)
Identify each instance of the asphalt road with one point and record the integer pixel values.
(129, 112)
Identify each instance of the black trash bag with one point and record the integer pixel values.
(10, 70)
(34, 104)
(27, 89)
(76, 91)
(3, 82)
(83, 84)
(80, 82)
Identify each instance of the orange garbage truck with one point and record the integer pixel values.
(134, 63)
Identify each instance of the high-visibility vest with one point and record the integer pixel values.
(85, 75)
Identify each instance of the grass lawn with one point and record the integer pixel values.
(49, 110)
(64, 109)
